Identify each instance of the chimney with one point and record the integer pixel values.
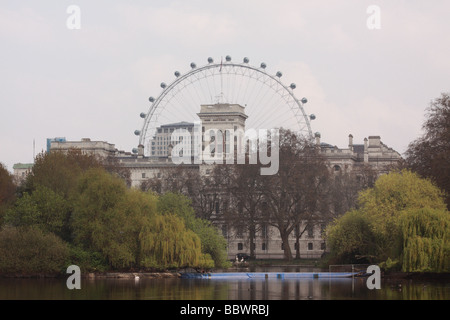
(317, 135)
(140, 150)
(374, 142)
(366, 151)
(350, 142)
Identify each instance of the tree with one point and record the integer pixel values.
(43, 208)
(7, 190)
(429, 155)
(351, 239)
(212, 243)
(426, 243)
(203, 190)
(108, 217)
(59, 171)
(295, 193)
(389, 220)
(167, 243)
(246, 199)
(31, 250)
(394, 193)
(346, 185)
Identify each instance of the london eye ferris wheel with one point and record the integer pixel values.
(268, 102)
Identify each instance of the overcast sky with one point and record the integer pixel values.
(94, 81)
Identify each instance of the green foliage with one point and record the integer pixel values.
(402, 221)
(30, 250)
(58, 171)
(42, 208)
(391, 195)
(213, 243)
(351, 238)
(107, 217)
(106, 224)
(165, 242)
(88, 261)
(426, 245)
(7, 191)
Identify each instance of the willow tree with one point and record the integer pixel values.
(213, 243)
(391, 222)
(108, 217)
(426, 245)
(392, 194)
(165, 242)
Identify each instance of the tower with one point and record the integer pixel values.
(219, 121)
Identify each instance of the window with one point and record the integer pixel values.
(225, 230)
(337, 168)
(310, 245)
(323, 246)
(240, 246)
(264, 231)
(143, 175)
(240, 232)
(263, 246)
(217, 207)
(310, 231)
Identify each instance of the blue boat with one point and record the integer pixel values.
(268, 275)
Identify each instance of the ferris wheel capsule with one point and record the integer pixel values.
(193, 65)
(279, 74)
(143, 115)
(210, 60)
(137, 132)
(246, 60)
(163, 85)
(151, 99)
(177, 74)
(312, 117)
(263, 65)
(293, 86)
(228, 58)
(304, 100)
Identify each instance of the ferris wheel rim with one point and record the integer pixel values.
(222, 65)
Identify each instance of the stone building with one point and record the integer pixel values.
(21, 171)
(98, 148)
(372, 152)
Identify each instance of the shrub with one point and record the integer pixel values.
(29, 250)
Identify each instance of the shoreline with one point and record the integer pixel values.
(423, 276)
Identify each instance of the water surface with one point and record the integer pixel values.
(215, 289)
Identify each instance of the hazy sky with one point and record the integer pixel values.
(94, 81)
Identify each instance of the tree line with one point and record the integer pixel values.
(399, 220)
(75, 209)
(388, 220)
(304, 192)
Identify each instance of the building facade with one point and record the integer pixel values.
(219, 118)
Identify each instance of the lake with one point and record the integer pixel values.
(219, 289)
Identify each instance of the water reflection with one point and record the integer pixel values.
(211, 289)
